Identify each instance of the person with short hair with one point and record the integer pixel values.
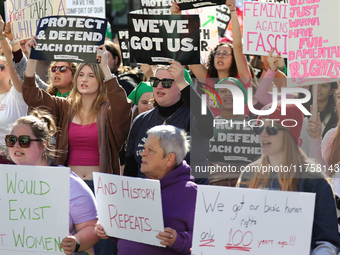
(162, 159)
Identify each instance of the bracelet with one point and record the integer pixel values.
(77, 245)
(232, 10)
(13, 42)
(109, 78)
(2, 37)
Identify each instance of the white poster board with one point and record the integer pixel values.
(263, 222)
(24, 15)
(129, 208)
(265, 26)
(208, 30)
(92, 8)
(313, 44)
(34, 209)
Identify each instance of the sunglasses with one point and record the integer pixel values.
(2, 67)
(269, 129)
(61, 69)
(166, 82)
(24, 140)
(223, 54)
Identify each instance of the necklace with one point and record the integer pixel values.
(165, 120)
(2, 99)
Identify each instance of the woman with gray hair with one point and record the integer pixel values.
(162, 159)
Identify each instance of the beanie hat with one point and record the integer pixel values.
(240, 85)
(293, 120)
(142, 87)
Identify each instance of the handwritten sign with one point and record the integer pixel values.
(34, 209)
(154, 7)
(158, 39)
(314, 53)
(25, 15)
(252, 221)
(129, 208)
(208, 30)
(69, 38)
(93, 8)
(265, 27)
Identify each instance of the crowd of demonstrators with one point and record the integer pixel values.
(92, 105)
(280, 148)
(30, 143)
(172, 95)
(163, 160)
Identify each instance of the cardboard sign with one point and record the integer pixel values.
(208, 30)
(25, 15)
(93, 8)
(251, 221)
(159, 39)
(154, 7)
(69, 38)
(223, 18)
(34, 206)
(123, 38)
(314, 52)
(234, 140)
(129, 208)
(265, 27)
(192, 4)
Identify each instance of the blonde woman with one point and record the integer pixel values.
(280, 148)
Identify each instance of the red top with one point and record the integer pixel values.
(83, 145)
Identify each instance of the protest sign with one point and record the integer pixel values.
(274, 1)
(192, 4)
(158, 39)
(24, 15)
(93, 8)
(314, 51)
(34, 206)
(250, 221)
(208, 30)
(123, 38)
(234, 140)
(152, 7)
(69, 38)
(223, 18)
(129, 208)
(265, 27)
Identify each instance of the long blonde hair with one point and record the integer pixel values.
(293, 156)
(76, 97)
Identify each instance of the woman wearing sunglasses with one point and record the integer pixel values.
(30, 144)
(280, 148)
(172, 99)
(12, 104)
(94, 120)
(225, 60)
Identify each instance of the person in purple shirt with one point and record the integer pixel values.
(162, 159)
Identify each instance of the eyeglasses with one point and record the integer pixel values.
(61, 69)
(269, 129)
(2, 67)
(223, 54)
(24, 140)
(166, 82)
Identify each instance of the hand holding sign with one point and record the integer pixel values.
(175, 10)
(8, 31)
(176, 70)
(2, 24)
(32, 43)
(68, 245)
(100, 231)
(169, 236)
(314, 126)
(231, 4)
(102, 58)
(273, 61)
